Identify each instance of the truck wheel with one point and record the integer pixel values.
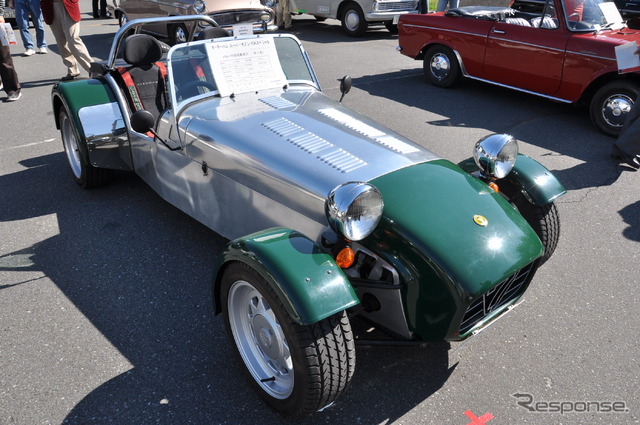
(178, 34)
(441, 67)
(296, 369)
(353, 21)
(85, 174)
(611, 104)
(391, 27)
(543, 219)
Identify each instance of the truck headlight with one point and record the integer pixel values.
(496, 155)
(199, 6)
(354, 209)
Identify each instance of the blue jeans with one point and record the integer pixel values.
(442, 4)
(23, 8)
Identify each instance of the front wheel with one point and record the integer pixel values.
(611, 104)
(441, 67)
(178, 34)
(543, 219)
(353, 21)
(85, 174)
(296, 369)
(391, 27)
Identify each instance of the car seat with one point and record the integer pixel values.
(144, 78)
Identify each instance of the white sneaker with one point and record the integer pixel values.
(28, 52)
(43, 51)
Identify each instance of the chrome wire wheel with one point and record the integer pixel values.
(71, 147)
(440, 66)
(260, 340)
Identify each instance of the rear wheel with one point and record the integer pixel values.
(441, 67)
(296, 369)
(611, 104)
(353, 21)
(85, 174)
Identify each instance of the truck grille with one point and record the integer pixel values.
(495, 298)
(244, 17)
(393, 6)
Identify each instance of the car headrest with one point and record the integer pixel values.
(141, 49)
(212, 32)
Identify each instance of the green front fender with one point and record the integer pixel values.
(532, 178)
(307, 280)
(75, 95)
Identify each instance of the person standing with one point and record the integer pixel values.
(8, 75)
(63, 16)
(283, 14)
(100, 9)
(24, 8)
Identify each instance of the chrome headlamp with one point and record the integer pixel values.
(496, 155)
(354, 209)
(265, 17)
(199, 6)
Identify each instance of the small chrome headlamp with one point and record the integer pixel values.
(199, 6)
(354, 209)
(265, 17)
(496, 155)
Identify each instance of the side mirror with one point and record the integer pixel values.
(345, 86)
(142, 121)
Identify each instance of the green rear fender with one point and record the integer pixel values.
(307, 280)
(538, 183)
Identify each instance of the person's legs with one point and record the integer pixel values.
(286, 10)
(22, 19)
(75, 44)
(38, 22)
(59, 12)
(8, 73)
(442, 5)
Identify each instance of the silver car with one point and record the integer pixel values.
(331, 216)
(226, 13)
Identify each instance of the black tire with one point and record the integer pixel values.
(85, 174)
(441, 67)
(543, 219)
(610, 105)
(391, 27)
(178, 34)
(122, 19)
(296, 369)
(353, 21)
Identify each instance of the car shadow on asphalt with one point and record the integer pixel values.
(140, 272)
(500, 110)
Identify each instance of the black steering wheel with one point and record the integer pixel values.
(182, 91)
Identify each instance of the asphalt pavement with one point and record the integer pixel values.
(105, 295)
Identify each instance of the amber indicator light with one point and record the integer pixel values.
(345, 258)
